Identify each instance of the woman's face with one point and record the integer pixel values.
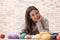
(35, 15)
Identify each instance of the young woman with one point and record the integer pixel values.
(34, 22)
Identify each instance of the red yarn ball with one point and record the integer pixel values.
(58, 37)
(2, 36)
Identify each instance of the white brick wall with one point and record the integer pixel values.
(12, 14)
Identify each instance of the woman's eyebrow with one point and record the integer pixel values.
(37, 12)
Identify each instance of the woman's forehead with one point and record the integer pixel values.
(33, 11)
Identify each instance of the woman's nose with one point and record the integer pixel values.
(35, 16)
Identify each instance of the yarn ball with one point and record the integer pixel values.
(13, 36)
(22, 36)
(43, 36)
(58, 37)
(2, 36)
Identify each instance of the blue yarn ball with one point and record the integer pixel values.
(54, 35)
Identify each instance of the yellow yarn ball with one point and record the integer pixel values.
(43, 36)
(46, 36)
(42, 33)
(37, 37)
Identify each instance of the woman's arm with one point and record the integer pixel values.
(45, 24)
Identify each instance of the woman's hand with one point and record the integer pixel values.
(28, 37)
(39, 20)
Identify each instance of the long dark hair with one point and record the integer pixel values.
(28, 20)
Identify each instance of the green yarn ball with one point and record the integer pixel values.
(22, 36)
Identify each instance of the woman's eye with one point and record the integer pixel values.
(32, 14)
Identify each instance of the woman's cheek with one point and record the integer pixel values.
(38, 19)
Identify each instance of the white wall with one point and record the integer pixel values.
(12, 14)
